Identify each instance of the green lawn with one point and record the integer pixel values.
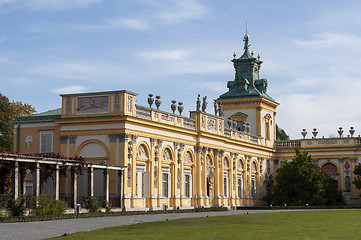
(336, 224)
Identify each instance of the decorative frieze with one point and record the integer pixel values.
(113, 137)
(64, 139)
(130, 104)
(72, 139)
(92, 105)
(123, 137)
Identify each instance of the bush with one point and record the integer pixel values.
(107, 205)
(46, 204)
(17, 206)
(92, 204)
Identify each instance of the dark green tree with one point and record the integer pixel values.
(357, 172)
(6, 136)
(301, 182)
(281, 134)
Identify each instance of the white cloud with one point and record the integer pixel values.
(329, 39)
(79, 70)
(164, 55)
(179, 11)
(47, 4)
(69, 89)
(132, 23)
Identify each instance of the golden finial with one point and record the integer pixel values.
(252, 53)
(258, 57)
(234, 55)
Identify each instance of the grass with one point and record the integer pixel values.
(336, 224)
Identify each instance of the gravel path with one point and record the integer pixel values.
(47, 229)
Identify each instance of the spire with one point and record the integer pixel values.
(246, 54)
(245, 40)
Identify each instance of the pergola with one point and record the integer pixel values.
(18, 178)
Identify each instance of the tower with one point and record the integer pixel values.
(247, 100)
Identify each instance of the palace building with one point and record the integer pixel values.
(207, 159)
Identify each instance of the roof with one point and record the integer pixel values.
(48, 115)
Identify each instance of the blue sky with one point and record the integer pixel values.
(177, 49)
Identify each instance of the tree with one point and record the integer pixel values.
(281, 134)
(8, 112)
(6, 136)
(301, 182)
(357, 172)
(20, 109)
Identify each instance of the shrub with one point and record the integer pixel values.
(107, 205)
(46, 204)
(17, 206)
(92, 204)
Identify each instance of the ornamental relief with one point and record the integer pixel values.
(225, 163)
(240, 165)
(130, 104)
(254, 167)
(167, 156)
(89, 105)
(212, 124)
(203, 121)
(188, 158)
(142, 152)
(327, 142)
(209, 167)
(167, 117)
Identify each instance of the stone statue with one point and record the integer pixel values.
(215, 107)
(198, 103)
(220, 109)
(205, 103)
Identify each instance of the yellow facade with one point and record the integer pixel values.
(172, 161)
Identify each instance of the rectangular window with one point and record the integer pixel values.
(225, 183)
(29, 187)
(253, 187)
(187, 185)
(139, 184)
(240, 187)
(165, 185)
(46, 141)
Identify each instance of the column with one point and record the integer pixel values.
(113, 161)
(204, 175)
(174, 172)
(15, 180)
(353, 165)
(124, 155)
(134, 170)
(342, 180)
(74, 185)
(120, 187)
(36, 179)
(221, 182)
(23, 182)
(152, 197)
(181, 171)
(90, 181)
(216, 153)
(198, 180)
(106, 185)
(56, 182)
(230, 179)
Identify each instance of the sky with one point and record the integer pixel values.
(311, 53)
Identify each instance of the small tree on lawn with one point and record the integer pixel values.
(301, 182)
(357, 172)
